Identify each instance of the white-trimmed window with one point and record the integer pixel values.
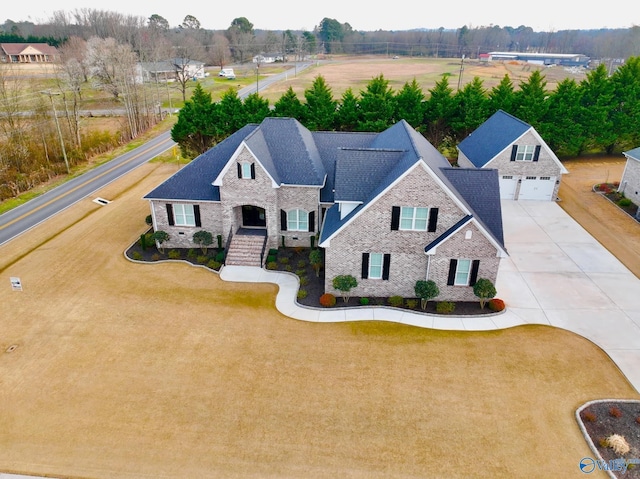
(245, 169)
(463, 272)
(297, 220)
(375, 265)
(184, 215)
(525, 152)
(414, 218)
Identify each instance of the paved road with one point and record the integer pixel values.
(17, 221)
(26, 216)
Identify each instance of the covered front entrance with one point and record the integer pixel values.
(253, 217)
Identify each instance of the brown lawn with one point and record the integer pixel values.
(341, 73)
(113, 369)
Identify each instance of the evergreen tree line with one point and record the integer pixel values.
(598, 114)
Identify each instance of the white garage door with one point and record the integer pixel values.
(537, 188)
(508, 187)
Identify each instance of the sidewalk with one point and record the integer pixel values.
(557, 275)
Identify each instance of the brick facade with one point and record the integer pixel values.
(371, 232)
(630, 182)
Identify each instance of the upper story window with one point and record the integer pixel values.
(297, 220)
(413, 218)
(247, 170)
(525, 152)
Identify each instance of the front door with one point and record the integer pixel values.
(253, 217)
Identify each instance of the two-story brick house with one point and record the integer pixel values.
(528, 168)
(386, 208)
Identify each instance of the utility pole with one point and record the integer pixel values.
(461, 68)
(50, 94)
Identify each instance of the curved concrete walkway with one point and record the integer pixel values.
(557, 275)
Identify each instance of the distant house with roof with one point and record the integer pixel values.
(528, 168)
(27, 53)
(630, 182)
(386, 207)
(172, 69)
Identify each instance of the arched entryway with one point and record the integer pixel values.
(253, 217)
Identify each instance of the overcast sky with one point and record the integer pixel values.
(543, 15)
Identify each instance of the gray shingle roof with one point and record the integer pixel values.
(193, 181)
(359, 172)
(493, 136)
(634, 154)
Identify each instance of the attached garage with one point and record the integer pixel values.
(537, 188)
(508, 185)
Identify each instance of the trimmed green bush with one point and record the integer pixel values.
(624, 202)
(302, 263)
(395, 301)
(219, 257)
(301, 272)
(137, 255)
(213, 264)
(445, 307)
(364, 301)
(303, 280)
(192, 254)
(272, 265)
(174, 254)
(302, 293)
(202, 258)
(273, 252)
(271, 258)
(284, 260)
(412, 303)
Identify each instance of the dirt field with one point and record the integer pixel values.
(618, 232)
(112, 369)
(356, 72)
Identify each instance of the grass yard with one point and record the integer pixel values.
(114, 369)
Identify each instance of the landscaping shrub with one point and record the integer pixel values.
(624, 202)
(304, 281)
(412, 303)
(496, 304)
(301, 272)
(619, 444)
(155, 257)
(202, 258)
(615, 412)
(344, 283)
(284, 260)
(589, 416)
(302, 293)
(174, 254)
(445, 307)
(272, 265)
(213, 264)
(327, 300)
(148, 220)
(219, 257)
(273, 252)
(485, 290)
(302, 263)
(288, 268)
(271, 258)
(364, 301)
(137, 255)
(192, 254)
(395, 301)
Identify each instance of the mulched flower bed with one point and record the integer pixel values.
(609, 191)
(602, 419)
(296, 260)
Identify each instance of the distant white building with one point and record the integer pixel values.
(269, 58)
(564, 59)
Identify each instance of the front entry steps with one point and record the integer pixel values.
(245, 249)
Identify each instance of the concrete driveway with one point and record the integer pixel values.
(557, 274)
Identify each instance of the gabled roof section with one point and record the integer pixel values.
(493, 136)
(447, 234)
(480, 189)
(193, 181)
(330, 144)
(633, 154)
(359, 172)
(287, 150)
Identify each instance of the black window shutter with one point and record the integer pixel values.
(239, 170)
(453, 265)
(474, 272)
(196, 213)
(170, 214)
(253, 171)
(386, 263)
(433, 219)
(395, 218)
(514, 150)
(365, 265)
(283, 220)
(312, 221)
(536, 155)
